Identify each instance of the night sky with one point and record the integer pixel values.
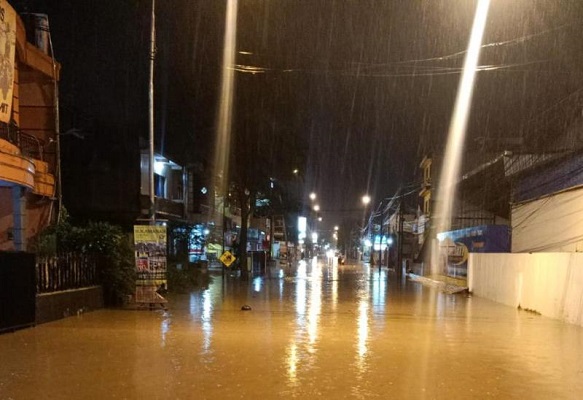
(368, 84)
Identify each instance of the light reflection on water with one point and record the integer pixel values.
(207, 323)
(302, 349)
(292, 362)
(164, 329)
(201, 309)
(257, 282)
(281, 283)
(334, 286)
(362, 337)
(314, 306)
(333, 332)
(379, 291)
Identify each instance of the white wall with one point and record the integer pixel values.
(549, 283)
(550, 224)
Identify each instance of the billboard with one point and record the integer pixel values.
(7, 53)
(150, 254)
(454, 246)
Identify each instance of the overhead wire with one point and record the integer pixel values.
(360, 67)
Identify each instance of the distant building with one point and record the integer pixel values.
(482, 200)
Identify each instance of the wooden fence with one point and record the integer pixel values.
(65, 272)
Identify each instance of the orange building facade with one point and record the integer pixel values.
(28, 130)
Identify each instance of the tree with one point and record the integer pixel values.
(261, 150)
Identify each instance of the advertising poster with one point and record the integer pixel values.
(150, 252)
(454, 246)
(7, 52)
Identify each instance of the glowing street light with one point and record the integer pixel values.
(316, 208)
(336, 227)
(366, 200)
(314, 237)
(312, 196)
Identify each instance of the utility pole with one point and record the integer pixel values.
(58, 175)
(400, 251)
(223, 223)
(151, 113)
(388, 251)
(380, 261)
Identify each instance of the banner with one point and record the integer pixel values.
(7, 50)
(150, 251)
(454, 246)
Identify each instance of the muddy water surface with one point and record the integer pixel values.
(316, 330)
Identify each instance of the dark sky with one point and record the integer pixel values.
(369, 84)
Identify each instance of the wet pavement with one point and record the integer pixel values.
(315, 331)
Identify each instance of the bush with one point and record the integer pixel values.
(187, 278)
(110, 246)
(116, 263)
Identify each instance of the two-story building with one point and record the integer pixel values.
(480, 215)
(29, 138)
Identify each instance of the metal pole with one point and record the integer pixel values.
(57, 130)
(223, 233)
(400, 255)
(388, 253)
(151, 112)
(380, 261)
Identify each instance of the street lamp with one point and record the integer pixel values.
(316, 208)
(366, 200)
(312, 196)
(389, 243)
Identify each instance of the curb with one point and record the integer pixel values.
(441, 285)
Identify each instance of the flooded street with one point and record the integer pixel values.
(316, 330)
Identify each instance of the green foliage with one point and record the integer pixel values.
(107, 243)
(116, 259)
(187, 277)
(55, 237)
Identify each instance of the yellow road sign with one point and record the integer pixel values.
(227, 258)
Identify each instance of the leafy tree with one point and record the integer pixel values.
(261, 151)
(116, 260)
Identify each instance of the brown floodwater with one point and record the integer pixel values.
(316, 331)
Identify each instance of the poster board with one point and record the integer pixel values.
(151, 264)
(7, 56)
(455, 246)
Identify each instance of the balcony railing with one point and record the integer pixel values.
(29, 145)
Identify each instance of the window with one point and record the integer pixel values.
(160, 185)
(176, 184)
(427, 173)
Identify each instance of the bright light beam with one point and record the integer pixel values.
(458, 125)
(226, 100)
